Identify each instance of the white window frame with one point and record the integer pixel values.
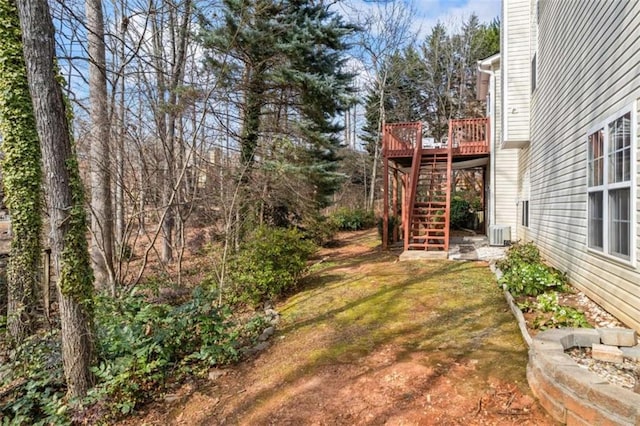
(606, 187)
(525, 214)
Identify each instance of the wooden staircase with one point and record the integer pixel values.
(430, 205)
(424, 175)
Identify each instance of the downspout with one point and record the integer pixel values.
(492, 153)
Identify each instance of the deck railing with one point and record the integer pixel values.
(401, 137)
(466, 137)
(469, 136)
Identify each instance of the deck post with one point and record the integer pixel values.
(394, 209)
(385, 204)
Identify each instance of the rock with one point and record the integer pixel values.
(632, 353)
(268, 332)
(216, 373)
(260, 347)
(169, 398)
(270, 312)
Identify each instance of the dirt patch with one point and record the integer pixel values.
(373, 341)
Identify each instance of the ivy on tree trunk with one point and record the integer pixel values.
(21, 174)
(65, 196)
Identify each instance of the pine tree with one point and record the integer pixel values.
(286, 58)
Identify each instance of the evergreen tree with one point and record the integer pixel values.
(286, 58)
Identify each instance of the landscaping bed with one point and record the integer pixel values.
(588, 366)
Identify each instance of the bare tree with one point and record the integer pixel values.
(100, 159)
(387, 29)
(64, 191)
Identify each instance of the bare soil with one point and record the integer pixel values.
(372, 341)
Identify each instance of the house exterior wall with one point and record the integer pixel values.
(588, 70)
(516, 58)
(503, 168)
(505, 174)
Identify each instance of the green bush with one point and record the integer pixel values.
(517, 254)
(139, 346)
(140, 343)
(524, 274)
(531, 279)
(353, 219)
(550, 314)
(321, 229)
(269, 264)
(461, 214)
(393, 222)
(35, 381)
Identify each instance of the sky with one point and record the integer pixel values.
(453, 12)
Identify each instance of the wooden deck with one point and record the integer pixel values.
(467, 137)
(421, 172)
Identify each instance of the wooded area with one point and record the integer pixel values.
(181, 160)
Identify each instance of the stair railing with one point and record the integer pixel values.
(413, 184)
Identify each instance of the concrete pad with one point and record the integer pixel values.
(423, 255)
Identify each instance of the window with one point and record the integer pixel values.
(609, 187)
(525, 213)
(534, 72)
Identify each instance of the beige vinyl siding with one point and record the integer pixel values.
(588, 70)
(506, 173)
(524, 193)
(517, 77)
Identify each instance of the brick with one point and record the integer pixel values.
(618, 336)
(553, 407)
(585, 337)
(539, 345)
(557, 335)
(606, 353)
(574, 419)
(631, 353)
(578, 379)
(546, 384)
(587, 412)
(614, 401)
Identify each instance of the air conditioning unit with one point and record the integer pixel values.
(499, 235)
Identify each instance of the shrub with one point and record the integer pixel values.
(353, 219)
(553, 315)
(320, 229)
(461, 214)
(33, 383)
(524, 274)
(139, 343)
(531, 279)
(393, 222)
(517, 254)
(269, 264)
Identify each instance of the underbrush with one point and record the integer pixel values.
(269, 265)
(536, 287)
(141, 346)
(347, 219)
(144, 343)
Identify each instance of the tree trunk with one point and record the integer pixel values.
(65, 196)
(22, 178)
(101, 201)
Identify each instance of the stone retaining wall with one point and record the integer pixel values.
(572, 394)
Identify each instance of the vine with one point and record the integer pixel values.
(21, 173)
